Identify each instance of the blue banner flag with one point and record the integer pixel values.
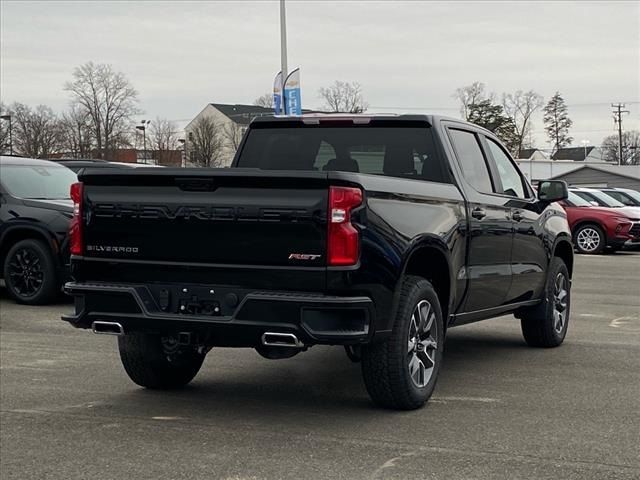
(278, 104)
(292, 101)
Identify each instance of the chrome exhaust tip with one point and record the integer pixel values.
(107, 328)
(274, 339)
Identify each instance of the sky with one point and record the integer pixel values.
(409, 56)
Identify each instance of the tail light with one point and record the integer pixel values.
(343, 241)
(75, 227)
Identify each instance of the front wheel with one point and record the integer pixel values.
(546, 324)
(401, 372)
(158, 362)
(590, 239)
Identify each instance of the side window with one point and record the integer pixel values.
(509, 176)
(472, 162)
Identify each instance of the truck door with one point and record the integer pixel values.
(490, 228)
(529, 256)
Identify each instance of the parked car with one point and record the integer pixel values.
(35, 211)
(600, 199)
(597, 228)
(626, 196)
(376, 233)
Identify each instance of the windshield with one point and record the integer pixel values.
(577, 201)
(628, 197)
(38, 181)
(401, 151)
(600, 198)
(606, 200)
(633, 194)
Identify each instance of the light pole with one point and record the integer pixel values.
(283, 42)
(143, 127)
(8, 117)
(584, 144)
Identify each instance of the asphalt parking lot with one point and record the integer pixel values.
(501, 410)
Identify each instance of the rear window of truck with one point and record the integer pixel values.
(407, 152)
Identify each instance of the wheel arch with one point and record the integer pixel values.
(13, 235)
(589, 221)
(430, 260)
(563, 249)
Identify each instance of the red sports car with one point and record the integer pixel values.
(597, 228)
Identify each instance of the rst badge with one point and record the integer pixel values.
(303, 256)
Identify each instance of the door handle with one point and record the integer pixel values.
(478, 213)
(517, 216)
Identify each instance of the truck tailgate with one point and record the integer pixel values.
(225, 217)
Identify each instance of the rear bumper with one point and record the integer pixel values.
(225, 316)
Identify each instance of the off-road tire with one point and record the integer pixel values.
(147, 363)
(50, 286)
(539, 323)
(385, 368)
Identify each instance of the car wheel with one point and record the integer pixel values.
(546, 324)
(30, 273)
(589, 239)
(158, 362)
(401, 372)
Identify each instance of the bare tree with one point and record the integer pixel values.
(76, 135)
(36, 132)
(4, 130)
(265, 101)
(233, 133)
(470, 95)
(206, 141)
(344, 97)
(519, 107)
(108, 98)
(163, 134)
(630, 148)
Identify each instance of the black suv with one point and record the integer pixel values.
(35, 210)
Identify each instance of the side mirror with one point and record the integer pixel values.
(552, 190)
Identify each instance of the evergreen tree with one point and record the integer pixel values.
(557, 122)
(492, 117)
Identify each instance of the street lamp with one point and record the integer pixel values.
(8, 118)
(584, 144)
(143, 127)
(183, 142)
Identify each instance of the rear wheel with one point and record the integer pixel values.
(30, 273)
(401, 372)
(546, 324)
(590, 239)
(158, 362)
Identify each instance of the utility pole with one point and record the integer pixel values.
(283, 43)
(617, 118)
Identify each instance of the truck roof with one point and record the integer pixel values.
(359, 118)
(356, 117)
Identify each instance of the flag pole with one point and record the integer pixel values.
(283, 41)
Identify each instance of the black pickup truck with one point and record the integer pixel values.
(373, 232)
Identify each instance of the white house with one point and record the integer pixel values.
(532, 154)
(579, 154)
(231, 120)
